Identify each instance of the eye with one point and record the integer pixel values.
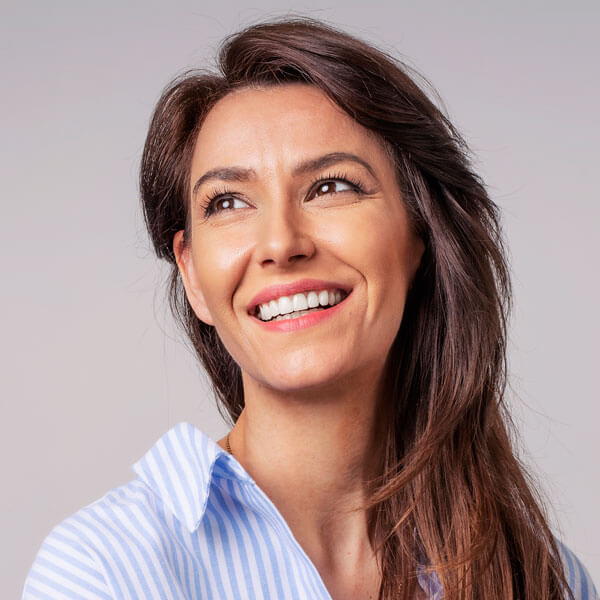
(333, 186)
(221, 203)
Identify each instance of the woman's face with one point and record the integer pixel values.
(296, 206)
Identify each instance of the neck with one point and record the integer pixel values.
(313, 454)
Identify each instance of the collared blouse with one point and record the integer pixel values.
(192, 525)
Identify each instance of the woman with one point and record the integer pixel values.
(340, 271)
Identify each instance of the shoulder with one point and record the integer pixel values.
(576, 574)
(88, 555)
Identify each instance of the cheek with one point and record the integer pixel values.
(220, 263)
(376, 243)
(380, 247)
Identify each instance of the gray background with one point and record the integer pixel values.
(93, 371)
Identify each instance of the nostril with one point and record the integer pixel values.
(296, 257)
(290, 260)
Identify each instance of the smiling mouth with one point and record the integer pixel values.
(298, 305)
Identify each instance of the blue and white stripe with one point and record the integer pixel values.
(193, 525)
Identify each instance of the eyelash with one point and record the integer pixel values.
(355, 183)
(208, 206)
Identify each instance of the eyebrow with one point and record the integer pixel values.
(307, 166)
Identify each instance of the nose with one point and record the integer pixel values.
(284, 238)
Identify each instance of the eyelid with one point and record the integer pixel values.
(350, 180)
(207, 206)
(314, 190)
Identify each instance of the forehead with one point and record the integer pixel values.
(265, 127)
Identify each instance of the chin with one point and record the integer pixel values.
(306, 377)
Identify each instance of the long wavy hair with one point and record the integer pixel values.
(453, 494)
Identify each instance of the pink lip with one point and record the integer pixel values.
(288, 289)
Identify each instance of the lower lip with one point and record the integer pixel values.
(304, 321)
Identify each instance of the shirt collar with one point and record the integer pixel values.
(179, 470)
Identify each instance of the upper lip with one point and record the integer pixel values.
(288, 289)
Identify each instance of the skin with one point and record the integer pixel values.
(311, 430)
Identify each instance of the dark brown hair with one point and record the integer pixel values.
(453, 493)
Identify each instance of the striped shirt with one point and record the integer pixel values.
(192, 525)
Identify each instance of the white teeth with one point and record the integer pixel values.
(313, 299)
(295, 315)
(299, 304)
(323, 297)
(299, 301)
(274, 308)
(285, 305)
(265, 313)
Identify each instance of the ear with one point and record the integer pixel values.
(185, 264)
